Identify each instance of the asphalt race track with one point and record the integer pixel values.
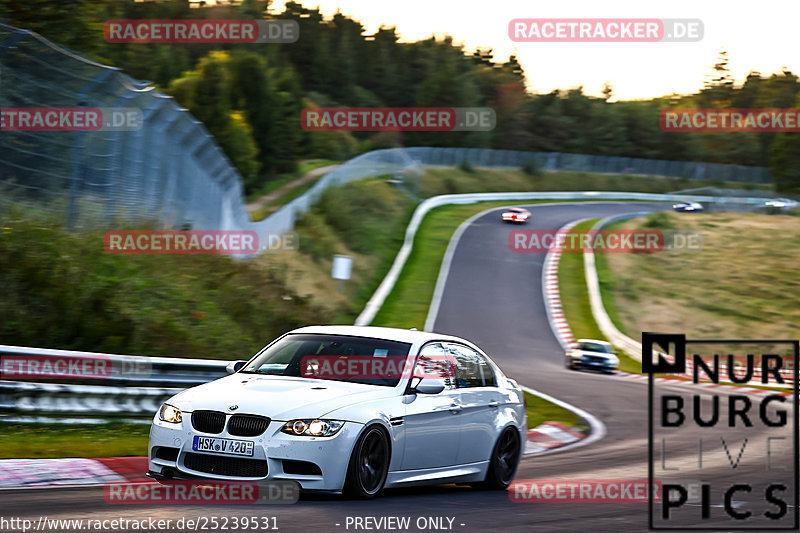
(494, 298)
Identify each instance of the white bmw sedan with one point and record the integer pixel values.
(348, 409)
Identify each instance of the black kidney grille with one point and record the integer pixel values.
(247, 425)
(225, 466)
(208, 421)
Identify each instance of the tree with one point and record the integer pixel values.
(207, 93)
(237, 141)
(784, 162)
(289, 105)
(608, 91)
(718, 88)
(253, 91)
(211, 98)
(70, 23)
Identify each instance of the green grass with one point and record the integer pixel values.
(574, 296)
(607, 284)
(273, 205)
(365, 219)
(41, 441)
(743, 283)
(63, 290)
(455, 180)
(617, 287)
(540, 410)
(408, 302)
(303, 167)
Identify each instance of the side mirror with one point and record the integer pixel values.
(429, 386)
(234, 366)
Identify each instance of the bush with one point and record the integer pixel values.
(467, 166)
(334, 145)
(660, 220)
(450, 185)
(367, 215)
(63, 290)
(317, 239)
(532, 167)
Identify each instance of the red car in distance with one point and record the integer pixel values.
(516, 214)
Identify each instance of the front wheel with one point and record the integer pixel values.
(504, 461)
(369, 465)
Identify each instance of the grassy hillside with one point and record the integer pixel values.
(63, 290)
(744, 282)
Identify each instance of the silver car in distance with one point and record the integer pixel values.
(348, 409)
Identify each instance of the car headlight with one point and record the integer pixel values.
(312, 427)
(614, 360)
(171, 414)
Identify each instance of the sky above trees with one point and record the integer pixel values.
(759, 37)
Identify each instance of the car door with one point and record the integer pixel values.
(480, 403)
(432, 421)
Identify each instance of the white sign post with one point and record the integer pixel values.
(341, 270)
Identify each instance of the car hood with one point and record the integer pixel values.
(280, 398)
(595, 354)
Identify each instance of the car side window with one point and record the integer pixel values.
(434, 362)
(489, 379)
(468, 365)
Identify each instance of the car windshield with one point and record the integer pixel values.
(595, 347)
(335, 357)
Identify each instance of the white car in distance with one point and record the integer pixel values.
(688, 207)
(592, 354)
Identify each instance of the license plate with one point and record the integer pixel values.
(226, 446)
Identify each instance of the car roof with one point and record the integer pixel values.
(595, 340)
(393, 334)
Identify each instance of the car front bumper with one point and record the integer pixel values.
(330, 454)
(589, 364)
